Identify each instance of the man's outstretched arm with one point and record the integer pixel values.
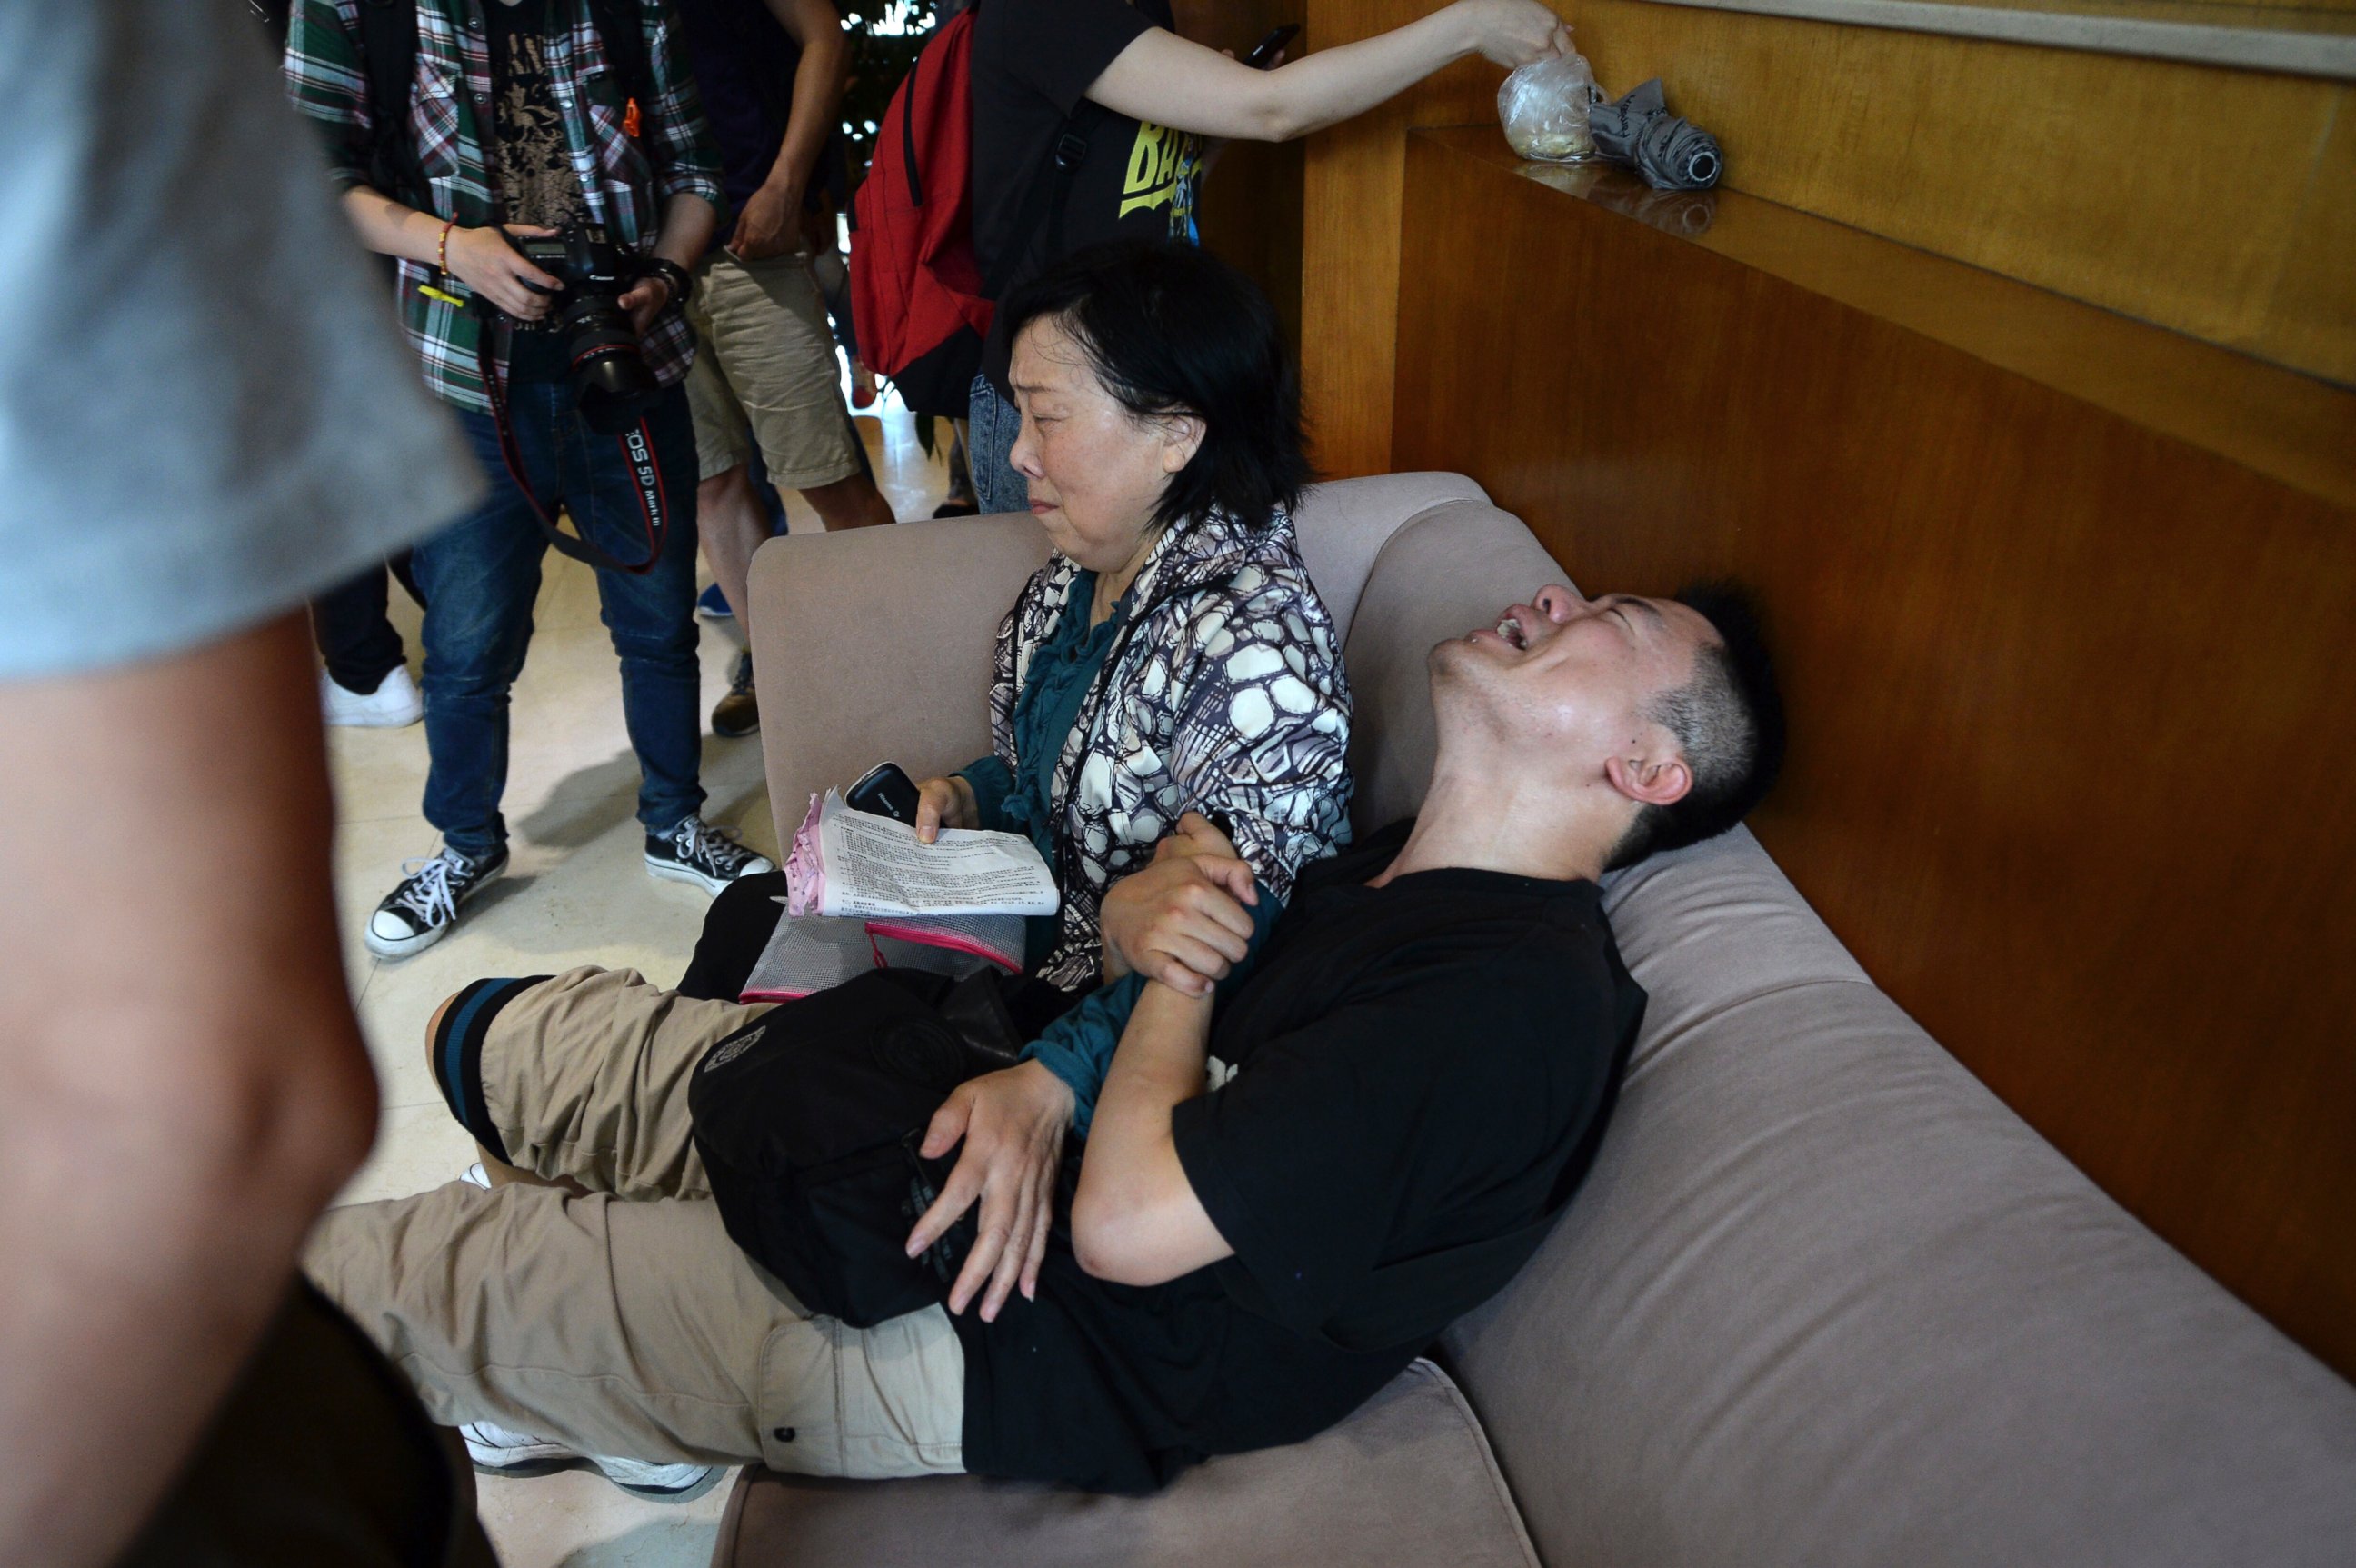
(1136, 1219)
(182, 1083)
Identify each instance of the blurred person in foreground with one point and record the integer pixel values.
(206, 421)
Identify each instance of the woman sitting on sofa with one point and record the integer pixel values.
(1172, 655)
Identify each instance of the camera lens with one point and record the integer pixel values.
(610, 375)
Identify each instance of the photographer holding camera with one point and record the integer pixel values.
(542, 172)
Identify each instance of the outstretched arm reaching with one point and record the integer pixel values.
(1163, 78)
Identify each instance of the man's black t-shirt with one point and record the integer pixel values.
(1032, 63)
(1412, 1070)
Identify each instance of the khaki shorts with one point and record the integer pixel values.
(766, 370)
(626, 1321)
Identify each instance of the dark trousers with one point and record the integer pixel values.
(359, 643)
(481, 575)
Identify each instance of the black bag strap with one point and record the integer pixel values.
(388, 46)
(622, 27)
(1045, 199)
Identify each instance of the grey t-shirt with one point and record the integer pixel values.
(207, 413)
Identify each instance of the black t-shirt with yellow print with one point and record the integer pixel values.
(1033, 62)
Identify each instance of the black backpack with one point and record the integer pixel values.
(808, 1121)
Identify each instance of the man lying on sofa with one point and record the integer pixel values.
(1403, 1094)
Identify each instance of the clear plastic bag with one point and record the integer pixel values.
(1544, 106)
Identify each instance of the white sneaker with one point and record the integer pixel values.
(393, 705)
(496, 1451)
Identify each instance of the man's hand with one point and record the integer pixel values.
(1183, 920)
(645, 301)
(945, 803)
(770, 224)
(1012, 1124)
(486, 263)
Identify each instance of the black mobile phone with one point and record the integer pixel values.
(884, 790)
(1264, 54)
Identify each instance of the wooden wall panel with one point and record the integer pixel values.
(1350, 238)
(2073, 738)
(2171, 192)
(2216, 202)
(1250, 205)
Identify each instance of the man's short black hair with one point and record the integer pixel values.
(1170, 328)
(1729, 722)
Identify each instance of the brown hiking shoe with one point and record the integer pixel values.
(738, 712)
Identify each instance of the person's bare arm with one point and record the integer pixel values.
(771, 222)
(1163, 78)
(688, 222)
(1135, 1220)
(479, 258)
(182, 1083)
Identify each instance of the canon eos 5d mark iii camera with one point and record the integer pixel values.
(612, 383)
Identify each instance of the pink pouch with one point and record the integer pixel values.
(992, 939)
(805, 873)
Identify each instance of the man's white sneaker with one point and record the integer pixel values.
(420, 912)
(393, 705)
(496, 1451)
(708, 856)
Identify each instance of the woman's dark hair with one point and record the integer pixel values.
(1170, 328)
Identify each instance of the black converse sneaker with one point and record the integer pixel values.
(415, 914)
(696, 852)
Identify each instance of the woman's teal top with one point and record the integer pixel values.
(1017, 800)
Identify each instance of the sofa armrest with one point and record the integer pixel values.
(874, 643)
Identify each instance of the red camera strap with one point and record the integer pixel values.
(638, 448)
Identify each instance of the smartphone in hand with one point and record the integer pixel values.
(884, 790)
(1264, 53)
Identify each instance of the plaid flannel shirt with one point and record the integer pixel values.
(449, 122)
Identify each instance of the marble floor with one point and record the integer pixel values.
(576, 891)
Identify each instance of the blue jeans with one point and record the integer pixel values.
(481, 575)
(992, 424)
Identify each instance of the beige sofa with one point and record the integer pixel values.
(1824, 1300)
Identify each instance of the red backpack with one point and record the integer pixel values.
(918, 298)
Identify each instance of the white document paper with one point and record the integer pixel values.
(875, 865)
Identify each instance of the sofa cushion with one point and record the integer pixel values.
(1408, 1480)
(876, 643)
(1342, 526)
(1447, 571)
(1825, 1301)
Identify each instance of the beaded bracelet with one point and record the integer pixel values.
(442, 249)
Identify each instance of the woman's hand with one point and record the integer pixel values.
(1183, 920)
(1012, 1124)
(945, 803)
(1513, 32)
(486, 263)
